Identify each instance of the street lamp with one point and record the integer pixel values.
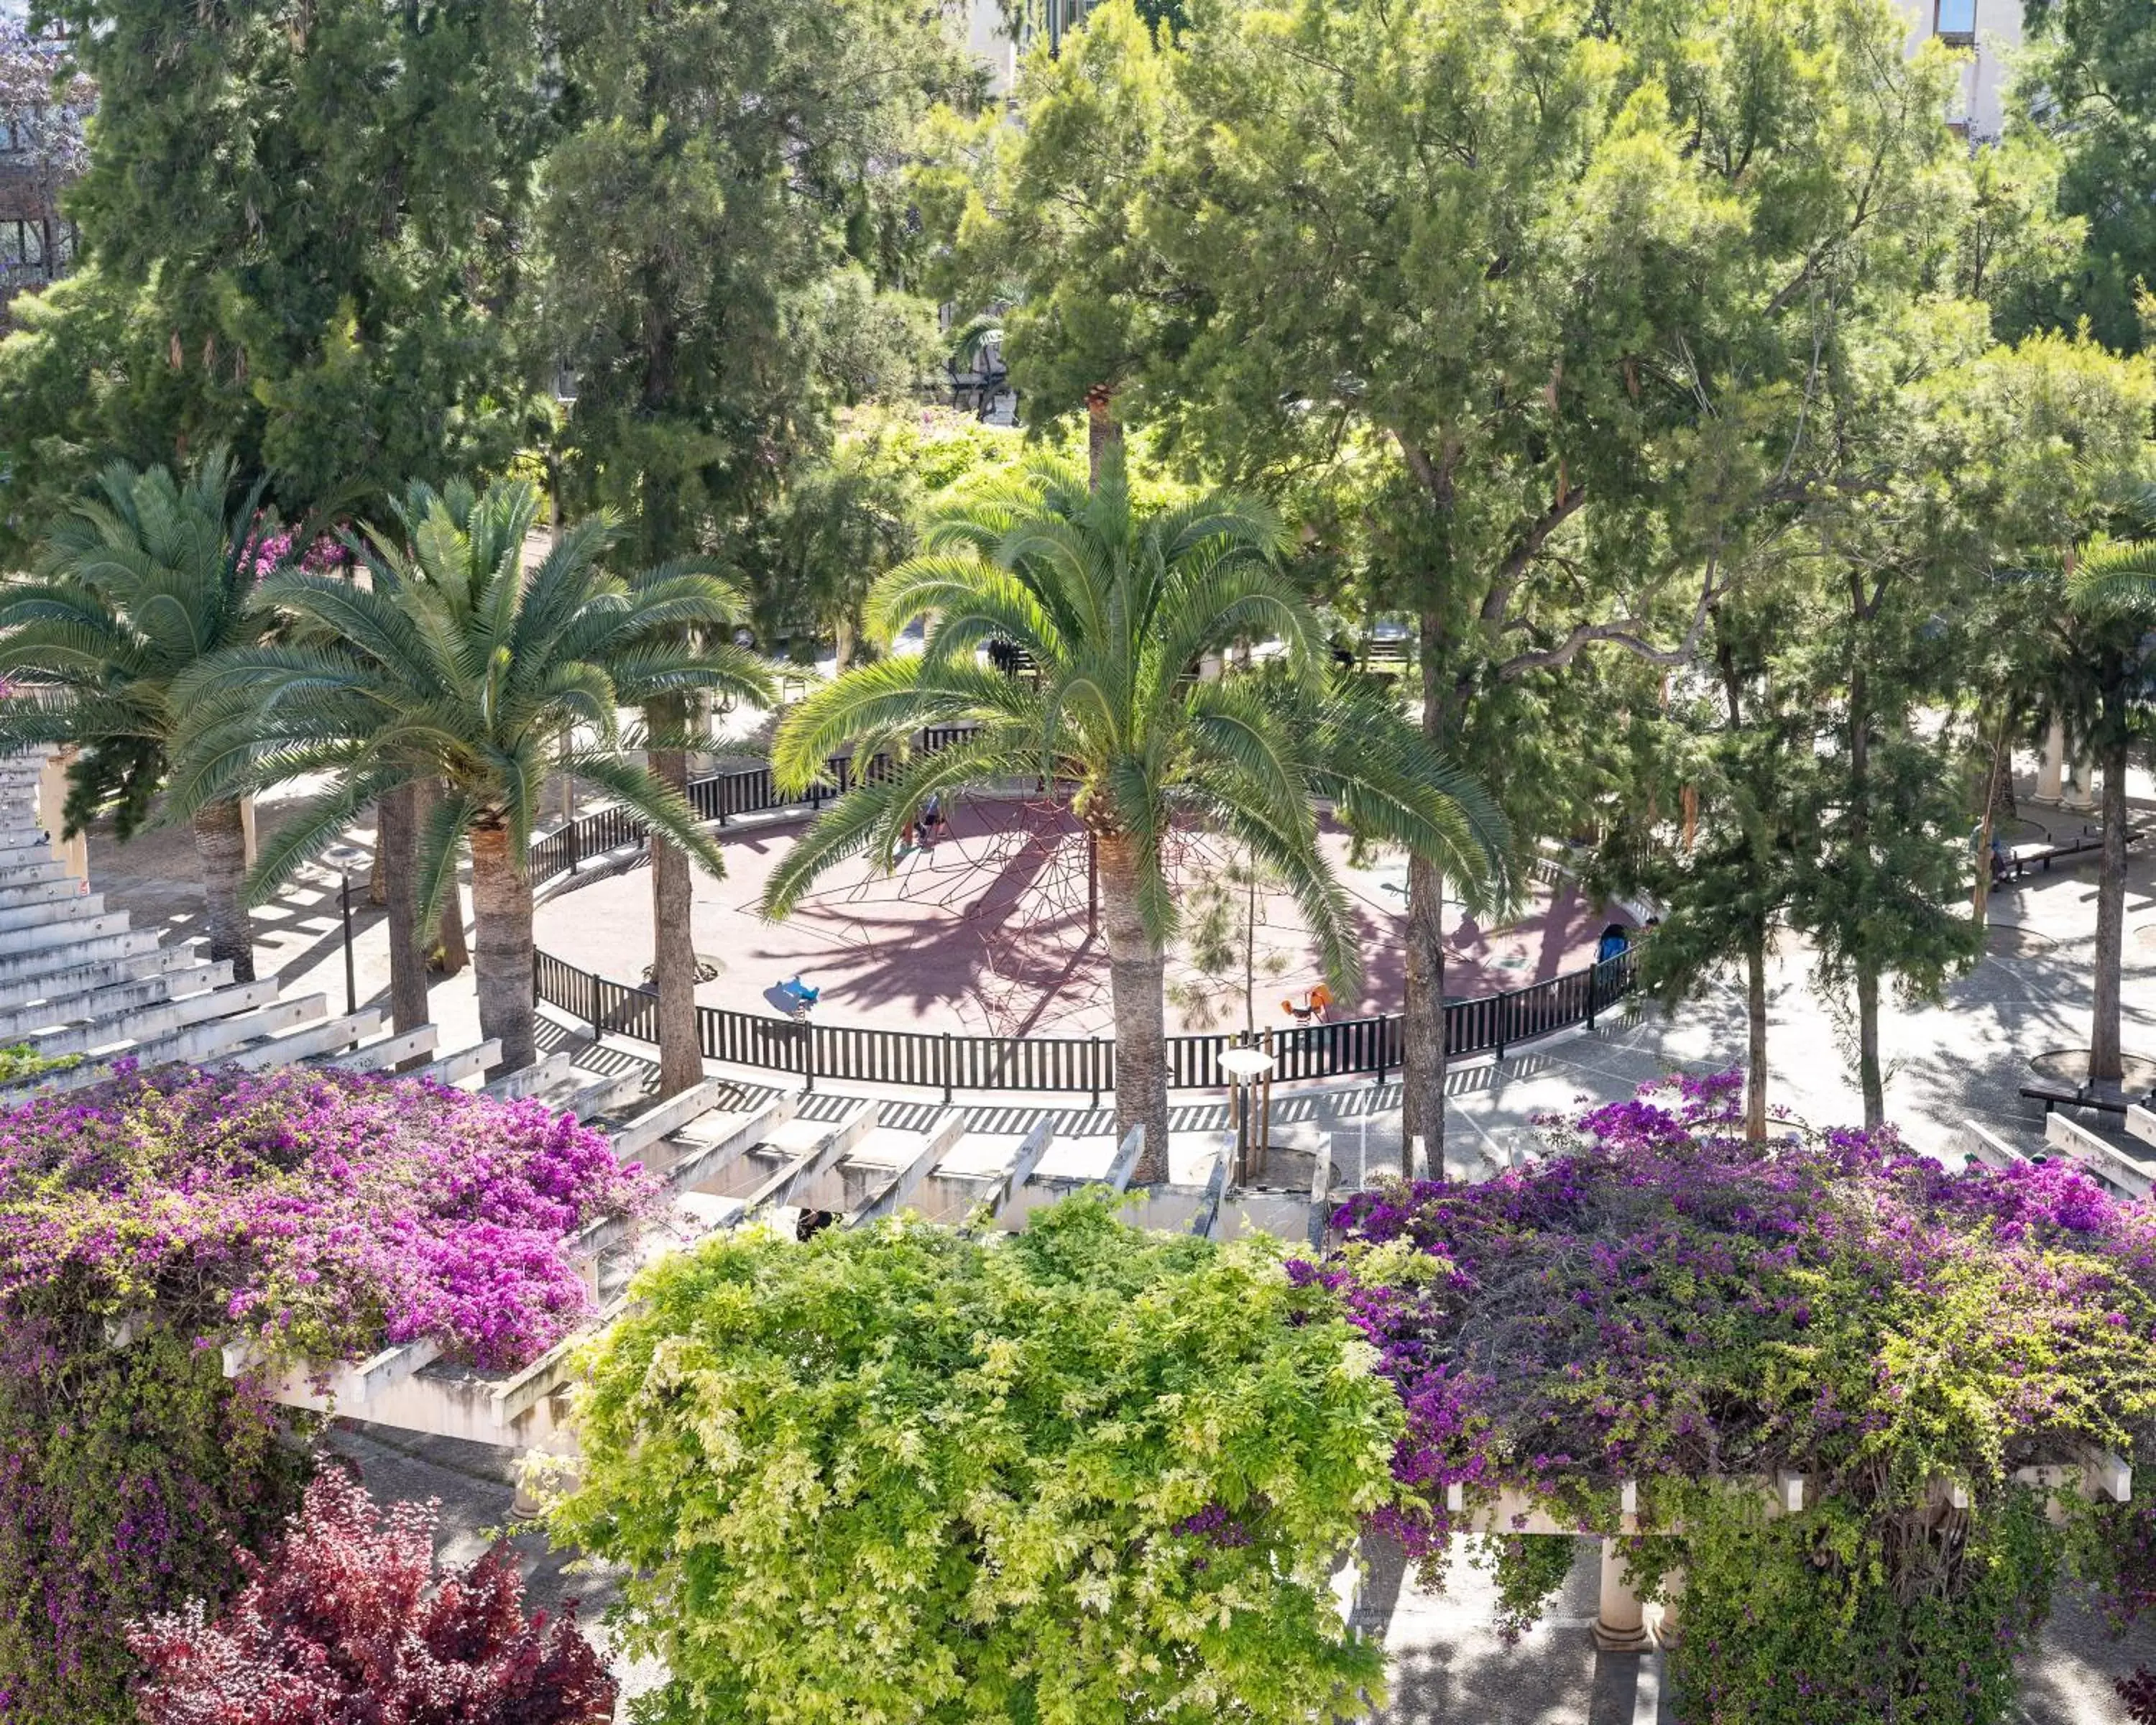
(1245, 1065)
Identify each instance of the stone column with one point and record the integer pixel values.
(1620, 1625)
(247, 828)
(72, 854)
(2052, 769)
(2082, 795)
(1664, 1628)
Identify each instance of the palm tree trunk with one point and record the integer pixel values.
(2105, 1059)
(1870, 1076)
(1102, 435)
(1137, 972)
(449, 955)
(501, 904)
(396, 843)
(673, 934)
(221, 852)
(1755, 1013)
(1422, 1025)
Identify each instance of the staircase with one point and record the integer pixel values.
(77, 982)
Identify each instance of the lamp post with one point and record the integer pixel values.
(1245, 1065)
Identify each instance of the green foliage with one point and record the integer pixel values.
(135, 589)
(847, 516)
(22, 1062)
(2086, 88)
(1660, 1302)
(1116, 606)
(1795, 1618)
(305, 226)
(456, 661)
(129, 1476)
(723, 239)
(1080, 1473)
(1527, 1568)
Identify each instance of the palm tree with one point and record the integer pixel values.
(132, 591)
(453, 661)
(2111, 595)
(1115, 608)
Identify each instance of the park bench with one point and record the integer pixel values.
(2103, 1098)
(2088, 842)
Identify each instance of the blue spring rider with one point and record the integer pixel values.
(800, 995)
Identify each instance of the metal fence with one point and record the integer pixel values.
(717, 797)
(950, 1061)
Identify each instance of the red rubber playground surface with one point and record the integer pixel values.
(985, 931)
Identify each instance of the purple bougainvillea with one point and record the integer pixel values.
(1659, 1300)
(315, 1212)
(310, 1214)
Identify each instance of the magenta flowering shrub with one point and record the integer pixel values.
(312, 1213)
(318, 1212)
(1659, 1300)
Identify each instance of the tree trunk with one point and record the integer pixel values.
(1422, 1023)
(1755, 1013)
(1102, 435)
(1137, 972)
(1860, 809)
(397, 838)
(221, 851)
(378, 872)
(673, 935)
(1869, 1076)
(2105, 1062)
(1993, 774)
(449, 955)
(501, 904)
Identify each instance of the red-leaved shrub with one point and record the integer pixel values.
(349, 1620)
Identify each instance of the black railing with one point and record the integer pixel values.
(949, 1061)
(717, 797)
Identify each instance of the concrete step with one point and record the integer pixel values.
(156, 1021)
(380, 1056)
(92, 1006)
(464, 1063)
(73, 932)
(209, 1044)
(61, 984)
(84, 907)
(54, 889)
(28, 873)
(325, 1038)
(11, 854)
(590, 1095)
(529, 1081)
(121, 942)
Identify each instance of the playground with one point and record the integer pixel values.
(987, 927)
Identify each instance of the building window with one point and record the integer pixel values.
(1955, 21)
(22, 245)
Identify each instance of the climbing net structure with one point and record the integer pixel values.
(1010, 883)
